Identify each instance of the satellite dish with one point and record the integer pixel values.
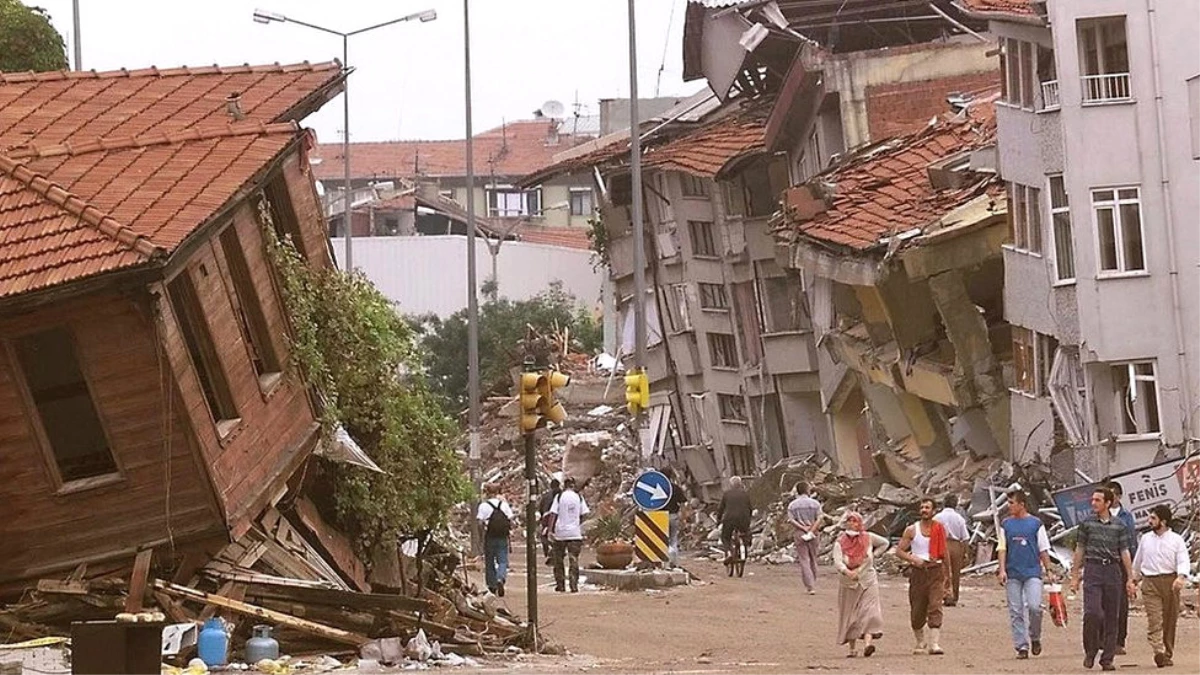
(553, 109)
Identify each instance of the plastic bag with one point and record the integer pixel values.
(1058, 604)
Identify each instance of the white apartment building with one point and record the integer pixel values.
(1100, 146)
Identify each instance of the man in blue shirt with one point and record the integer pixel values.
(1024, 558)
(1126, 517)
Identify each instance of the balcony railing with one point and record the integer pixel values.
(1106, 88)
(1050, 95)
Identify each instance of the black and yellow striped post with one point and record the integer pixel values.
(650, 536)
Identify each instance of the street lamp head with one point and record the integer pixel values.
(263, 16)
(427, 16)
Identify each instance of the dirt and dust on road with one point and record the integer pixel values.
(765, 623)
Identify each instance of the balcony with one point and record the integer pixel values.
(1109, 88)
(1050, 95)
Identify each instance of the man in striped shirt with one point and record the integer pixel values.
(1101, 552)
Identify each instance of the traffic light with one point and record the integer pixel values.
(537, 398)
(637, 391)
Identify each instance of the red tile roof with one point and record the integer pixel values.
(710, 149)
(106, 171)
(1014, 7)
(515, 149)
(86, 105)
(884, 189)
(72, 211)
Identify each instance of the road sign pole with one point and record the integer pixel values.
(531, 538)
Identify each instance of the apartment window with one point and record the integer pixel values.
(507, 202)
(733, 197)
(723, 350)
(675, 300)
(581, 202)
(1033, 354)
(1135, 388)
(1103, 60)
(70, 424)
(693, 186)
(712, 296)
(1060, 219)
(1025, 213)
(704, 242)
(253, 323)
(733, 407)
(781, 304)
(1119, 229)
(198, 339)
(741, 460)
(275, 209)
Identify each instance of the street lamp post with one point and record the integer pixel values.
(639, 242)
(265, 17)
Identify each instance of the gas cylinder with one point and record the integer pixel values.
(261, 646)
(213, 644)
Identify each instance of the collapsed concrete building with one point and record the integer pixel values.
(901, 243)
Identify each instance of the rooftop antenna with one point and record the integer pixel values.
(578, 107)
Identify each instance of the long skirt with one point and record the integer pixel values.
(859, 611)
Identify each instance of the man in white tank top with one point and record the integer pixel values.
(924, 547)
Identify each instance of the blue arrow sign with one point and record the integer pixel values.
(651, 490)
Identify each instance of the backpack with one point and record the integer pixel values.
(498, 523)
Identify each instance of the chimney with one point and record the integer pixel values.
(233, 106)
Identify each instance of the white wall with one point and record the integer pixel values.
(429, 274)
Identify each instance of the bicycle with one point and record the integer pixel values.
(735, 556)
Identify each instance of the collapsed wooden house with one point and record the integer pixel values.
(143, 342)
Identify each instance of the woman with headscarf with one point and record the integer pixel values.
(860, 616)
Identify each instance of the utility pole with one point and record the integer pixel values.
(78, 44)
(639, 237)
(531, 595)
(473, 455)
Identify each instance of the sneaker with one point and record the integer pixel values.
(1037, 648)
(1022, 653)
(1089, 660)
(1160, 660)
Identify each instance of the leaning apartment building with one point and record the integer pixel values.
(737, 377)
(1099, 143)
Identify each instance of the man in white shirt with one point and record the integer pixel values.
(1162, 562)
(957, 535)
(566, 529)
(495, 517)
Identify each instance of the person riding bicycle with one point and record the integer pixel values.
(734, 513)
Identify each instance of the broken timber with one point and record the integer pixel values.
(302, 625)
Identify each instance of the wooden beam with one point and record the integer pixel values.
(137, 581)
(174, 609)
(309, 627)
(63, 587)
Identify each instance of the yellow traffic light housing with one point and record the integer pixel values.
(637, 391)
(537, 398)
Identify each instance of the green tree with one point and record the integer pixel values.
(359, 355)
(503, 323)
(28, 40)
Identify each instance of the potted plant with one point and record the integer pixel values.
(613, 550)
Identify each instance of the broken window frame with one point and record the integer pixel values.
(1119, 206)
(1025, 214)
(581, 202)
(42, 402)
(741, 459)
(693, 187)
(1061, 231)
(712, 297)
(766, 287)
(675, 297)
(203, 353)
(1033, 356)
(1143, 401)
(722, 349)
(703, 239)
(732, 408)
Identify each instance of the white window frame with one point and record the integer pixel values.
(1061, 246)
(676, 299)
(1025, 210)
(1118, 84)
(1115, 204)
(1132, 378)
(493, 193)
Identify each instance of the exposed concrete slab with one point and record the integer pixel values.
(634, 580)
